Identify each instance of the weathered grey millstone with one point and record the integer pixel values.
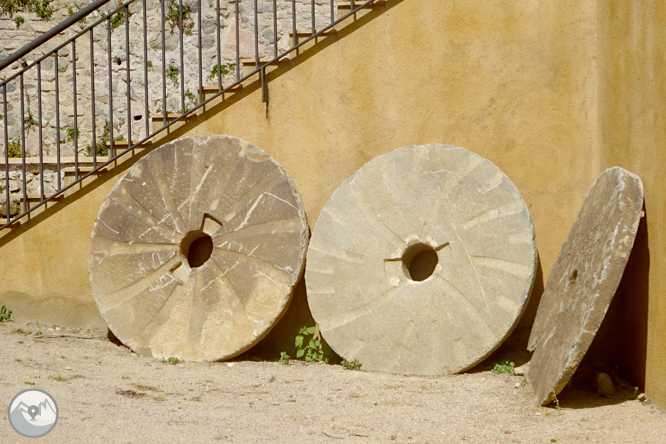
(196, 250)
(583, 280)
(421, 262)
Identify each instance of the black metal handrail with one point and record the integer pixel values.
(122, 12)
(48, 35)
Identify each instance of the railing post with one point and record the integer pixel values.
(57, 110)
(112, 151)
(128, 77)
(164, 104)
(219, 46)
(76, 121)
(237, 42)
(256, 36)
(24, 181)
(41, 146)
(92, 99)
(146, 116)
(4, 113)
(182, 59)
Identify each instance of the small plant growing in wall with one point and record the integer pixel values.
(71, 133)
(173, 14)
(29, 121)
(42, 8)
(14, 148)
(101, 147)
(71, 12)
(118, 18)
(18, 20)
(224, 69)
(172, 73)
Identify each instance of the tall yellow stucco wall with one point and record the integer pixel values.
(547, 90)
(632, 115)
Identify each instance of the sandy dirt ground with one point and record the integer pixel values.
(107, 394)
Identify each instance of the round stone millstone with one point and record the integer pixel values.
(196, 250)
(583, 280)
(421, 262)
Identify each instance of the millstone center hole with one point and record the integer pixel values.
(196, 247)
(419, 262)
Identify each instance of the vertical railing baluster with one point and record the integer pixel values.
(164, 104)
(182, 59)
(312, 13)
(332, 11)
(111, 135)
(237, 42)
(92, 98)
(256, 35)
(57, 111)
(24, 180)
(219, 46)
(293, 22)
(40, 133)
(146, 114)
(275, 33)
(200, 95)
(128, 78)
(76, 121)
(5, 125)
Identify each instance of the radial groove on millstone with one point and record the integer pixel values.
(196, 250)
(401, 217)
(584, 280)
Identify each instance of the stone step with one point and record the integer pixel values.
(36, 198)
(14, 224)
(308, 32)
(123, 144)
(209, 91)
(70, 171)
(70, 174)
(214, 88)
(158, 122)
(52, 160)
(170, 116)
(347, 5)
(249, 64)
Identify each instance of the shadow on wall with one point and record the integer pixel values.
(621, 343)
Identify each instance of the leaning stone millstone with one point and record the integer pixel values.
(196, 250)
(583, 280)
(421, 262)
